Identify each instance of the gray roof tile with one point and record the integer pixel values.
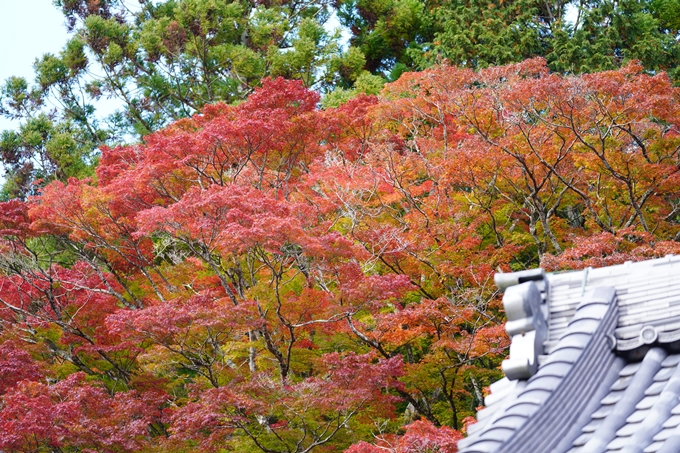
(477, 446)
(656, 388)
(564, 354)
(475, 427)
(524, 408)
(538, 395)
(615, 417)
(672, 422)
(612, 398)
(617, 444)
(575, 340)
(565, 312)
(672, 444)
(637, 416)
(671, 360)
(593, 312)
(557, 368)
(467, 442)
(592, 426)
(487, 412)
(582, 439)
(651, 426)
(502, 384)
(647, 402)
(510, 421)
(663, 434)
(586, 398)
(630, 369)
(663, 374)
(603, 412)
(543, 382)
(628, 430)
(653, 447)
(586, 325)
(497, 434)
(484, 447)
(503, 391)
(622, 383)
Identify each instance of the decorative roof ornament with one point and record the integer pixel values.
(527, 328)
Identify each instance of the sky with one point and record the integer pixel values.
(28, 29)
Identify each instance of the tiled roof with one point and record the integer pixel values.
(594, 364)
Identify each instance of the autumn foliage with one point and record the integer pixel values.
(278, 278)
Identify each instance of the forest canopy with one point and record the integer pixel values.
(276, 277)
(161, 61)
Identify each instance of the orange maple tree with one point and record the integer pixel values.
(273, 277)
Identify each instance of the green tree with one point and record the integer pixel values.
(163, 61)
(607, 34)
(575, 36)
(171, 58)
(487, 32)
(388, 32)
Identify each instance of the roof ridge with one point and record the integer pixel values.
(577, 361)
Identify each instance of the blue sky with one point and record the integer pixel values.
(28, 29)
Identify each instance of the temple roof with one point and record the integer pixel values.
(594, 363)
